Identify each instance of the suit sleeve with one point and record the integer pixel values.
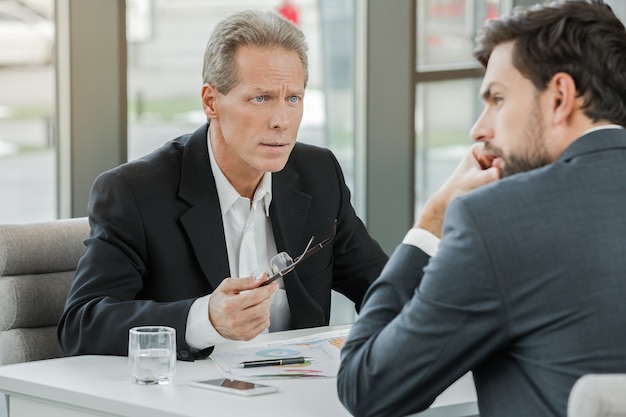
(424, 323)
(102, 304)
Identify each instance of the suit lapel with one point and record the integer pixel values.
(289, 210)
(203, 221)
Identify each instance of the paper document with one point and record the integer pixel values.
(323, 348)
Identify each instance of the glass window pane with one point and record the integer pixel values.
(619, 8)
(27, 145)
(336, 127)
(446, 29)
(442, 131)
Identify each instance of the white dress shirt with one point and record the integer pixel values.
(422, 239)
(250, 245)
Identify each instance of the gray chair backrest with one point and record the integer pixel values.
(37, 264)
(598, 395)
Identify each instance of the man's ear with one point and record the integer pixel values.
(564, 100)
(209, 101)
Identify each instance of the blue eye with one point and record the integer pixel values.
(294, 99)
(259, 99)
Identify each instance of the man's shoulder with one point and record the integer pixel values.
(524, 182)
(305, 157)
(310, 164)
(307, 154)
(511, 197)
(301, 148)
(165, 158)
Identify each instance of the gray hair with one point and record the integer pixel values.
(248, 28)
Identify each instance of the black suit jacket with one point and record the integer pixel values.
(157, 244)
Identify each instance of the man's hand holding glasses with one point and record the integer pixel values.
(282, 263)
(238, 313)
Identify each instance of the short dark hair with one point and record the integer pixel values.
(582, 38)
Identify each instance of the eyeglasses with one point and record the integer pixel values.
(282, 264)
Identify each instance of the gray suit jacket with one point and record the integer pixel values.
(157, 243)
(527, 290)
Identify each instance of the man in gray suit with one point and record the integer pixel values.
(523, 280)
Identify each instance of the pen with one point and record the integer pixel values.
(275, 362)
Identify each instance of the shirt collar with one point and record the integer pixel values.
(226, 192)
(593, 129)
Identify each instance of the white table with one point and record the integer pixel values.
(100, 386)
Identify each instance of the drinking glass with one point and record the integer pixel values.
(152, 354)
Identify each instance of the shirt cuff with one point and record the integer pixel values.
(199, 332)
(423, 240)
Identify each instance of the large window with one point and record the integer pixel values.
(446, 113)
(27, 145)
(448, 80)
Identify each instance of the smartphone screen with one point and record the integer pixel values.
(235, 386)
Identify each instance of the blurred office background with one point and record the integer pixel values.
(88, 84)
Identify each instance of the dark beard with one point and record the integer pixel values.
(536, 154)
(515, 165)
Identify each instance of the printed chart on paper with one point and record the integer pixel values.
(323, 347)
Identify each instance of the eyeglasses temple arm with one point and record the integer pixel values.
(320, 245)
(290, 268)
(304, 254)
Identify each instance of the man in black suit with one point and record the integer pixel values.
(524, 282)
(170, 230)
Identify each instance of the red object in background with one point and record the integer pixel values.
(289, 12)
(448, 9)
(493, 11)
